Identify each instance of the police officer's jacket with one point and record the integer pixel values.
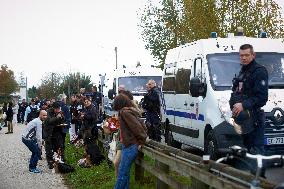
(255, 85)
(152, 100)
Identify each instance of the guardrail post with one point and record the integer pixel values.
(195, 183)
(165, 169)
(139, 170)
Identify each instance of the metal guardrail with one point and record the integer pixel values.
(202, 174)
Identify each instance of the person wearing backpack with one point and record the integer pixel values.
(32, 112)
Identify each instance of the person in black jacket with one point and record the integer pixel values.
(252, 85)
(152, 105)
(52, 132)
(22, 109)
(9, 118)
(88, 116)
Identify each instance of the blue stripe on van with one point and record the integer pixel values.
(185, 115)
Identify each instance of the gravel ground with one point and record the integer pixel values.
(14, 161)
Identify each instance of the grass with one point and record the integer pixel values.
(99, 177)
(103, 177)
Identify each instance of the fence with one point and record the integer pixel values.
(203, 174)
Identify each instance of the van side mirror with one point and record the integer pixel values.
(111, 94)
(197, 88)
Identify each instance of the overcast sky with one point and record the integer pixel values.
(40, 36)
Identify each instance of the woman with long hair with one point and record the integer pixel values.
(132, 136)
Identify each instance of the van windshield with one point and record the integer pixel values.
(223, 68)
(137, 84)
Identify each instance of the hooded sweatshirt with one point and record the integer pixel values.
(131, 128)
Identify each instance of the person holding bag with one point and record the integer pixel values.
(132, 137)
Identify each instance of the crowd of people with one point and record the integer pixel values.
(48, 121)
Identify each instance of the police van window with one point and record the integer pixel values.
(137, 84)
(273, 62)
(168, 84)
(224, 66)
(182, 81)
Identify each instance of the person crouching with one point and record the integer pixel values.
(32, 138)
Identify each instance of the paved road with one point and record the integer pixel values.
(14, 158)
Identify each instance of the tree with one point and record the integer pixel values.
(158, 24)
(8, 83)
(74, 81)
(169, 23)
(253, 16)
(32, 92)
(50, 86)
(199, 19)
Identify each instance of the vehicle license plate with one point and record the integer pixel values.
(275, 140)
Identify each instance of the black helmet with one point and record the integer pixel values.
(245, 120)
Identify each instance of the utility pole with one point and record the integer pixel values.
(27, 89)
(102, 81)
(52, 81)
(115, 50)
(78, 76)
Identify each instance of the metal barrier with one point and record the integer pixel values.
(202, 174)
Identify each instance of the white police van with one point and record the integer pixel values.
(133, 79)
(197, 85)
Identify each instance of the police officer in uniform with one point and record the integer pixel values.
(252, 85)
(152, 105)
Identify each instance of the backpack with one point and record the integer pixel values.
(33, 114)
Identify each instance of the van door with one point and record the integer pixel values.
(182, 129)
(168, 99)
(198, 111)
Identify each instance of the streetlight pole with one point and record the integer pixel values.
(102, 81)
(115, 50)
(27, 89)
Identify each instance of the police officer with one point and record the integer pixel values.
(252, 83)
(151, 104)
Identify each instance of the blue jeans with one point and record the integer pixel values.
(33, 147)
(128, 155)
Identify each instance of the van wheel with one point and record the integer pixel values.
(210, 145)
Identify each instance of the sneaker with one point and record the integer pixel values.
(36, 170)
(7, 133)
